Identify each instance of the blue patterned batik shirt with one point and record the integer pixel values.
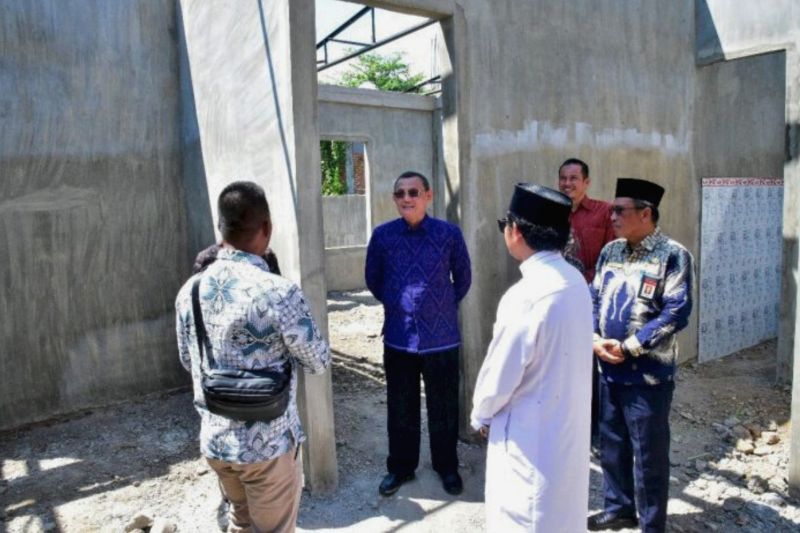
(642, 297)
(254, 320)
(419, 276)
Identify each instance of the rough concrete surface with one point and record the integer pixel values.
(397, 130)
(97, 471)
(92, 221)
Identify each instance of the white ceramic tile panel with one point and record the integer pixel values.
(740, 263)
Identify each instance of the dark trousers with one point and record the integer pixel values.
(634, 451)
(440, 372)
(595, 402)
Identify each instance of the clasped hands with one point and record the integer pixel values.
(609, 350)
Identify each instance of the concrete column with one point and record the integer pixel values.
(789, 335)
(458, 192)
(253, 80)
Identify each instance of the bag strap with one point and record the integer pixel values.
(199, 326)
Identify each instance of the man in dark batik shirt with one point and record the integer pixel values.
(419, 269)
(209, 255)
(642, 297)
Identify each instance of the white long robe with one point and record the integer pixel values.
(534, 391)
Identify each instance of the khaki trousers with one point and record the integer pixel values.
(264, 497)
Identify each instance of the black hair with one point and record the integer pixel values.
(412, 174)
(576, 161)
(243, 208)
(641, 204)
(541, 238)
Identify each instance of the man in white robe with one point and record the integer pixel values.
(532, 396)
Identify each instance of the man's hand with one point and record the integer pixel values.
(609, 350)
(484, 431)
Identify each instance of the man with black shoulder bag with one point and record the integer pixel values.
(244, 333)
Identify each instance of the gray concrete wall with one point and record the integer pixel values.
(397, 130)
(739, 133)
(345, 220)
(256, 106)
(739, 117)
(92, 220)
(525, 95)
(344, 268)
(728, 30)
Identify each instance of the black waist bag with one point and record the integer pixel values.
(248, 395)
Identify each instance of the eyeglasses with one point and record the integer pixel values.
(501, 224)
(401, 193)
(619, 209)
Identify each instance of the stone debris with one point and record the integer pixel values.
(762, 450)
(140, 521)
(754, 430)
(770, 437)
(741, 432)
(745, 446)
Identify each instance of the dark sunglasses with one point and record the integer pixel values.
(401, 193)
(618, 209)
(501, 224)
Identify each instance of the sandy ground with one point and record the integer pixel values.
(96, 470)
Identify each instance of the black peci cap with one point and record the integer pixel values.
(541, 206)
(639, 189)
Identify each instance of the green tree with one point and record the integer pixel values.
(386, 73)
(332, 156)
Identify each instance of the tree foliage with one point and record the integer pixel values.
(386, 73)
(332, 159)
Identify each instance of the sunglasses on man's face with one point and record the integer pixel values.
(501, 224)
(401, 193)
(620, 209)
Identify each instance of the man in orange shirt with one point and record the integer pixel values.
(591, 227)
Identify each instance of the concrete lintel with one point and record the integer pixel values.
(373, 98)
(708, 58)
(421, 8)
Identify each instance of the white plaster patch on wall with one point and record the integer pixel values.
(545, 134)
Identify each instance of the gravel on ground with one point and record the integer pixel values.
(136, 465)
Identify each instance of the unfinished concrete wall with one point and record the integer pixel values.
(399, 134)
(528, 95)
(397, 130)
(255, 105)
(739, 117)
(345, 220)
(738, 133)
(729, 30)
(92, 222)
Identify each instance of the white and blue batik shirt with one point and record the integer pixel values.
(254, 320)
(642, 297)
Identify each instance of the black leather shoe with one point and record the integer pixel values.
(603, 520)
(392, 482)
(452, 483)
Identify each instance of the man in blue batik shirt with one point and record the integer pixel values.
(419, 269)
(254, 320)
(642, 297)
